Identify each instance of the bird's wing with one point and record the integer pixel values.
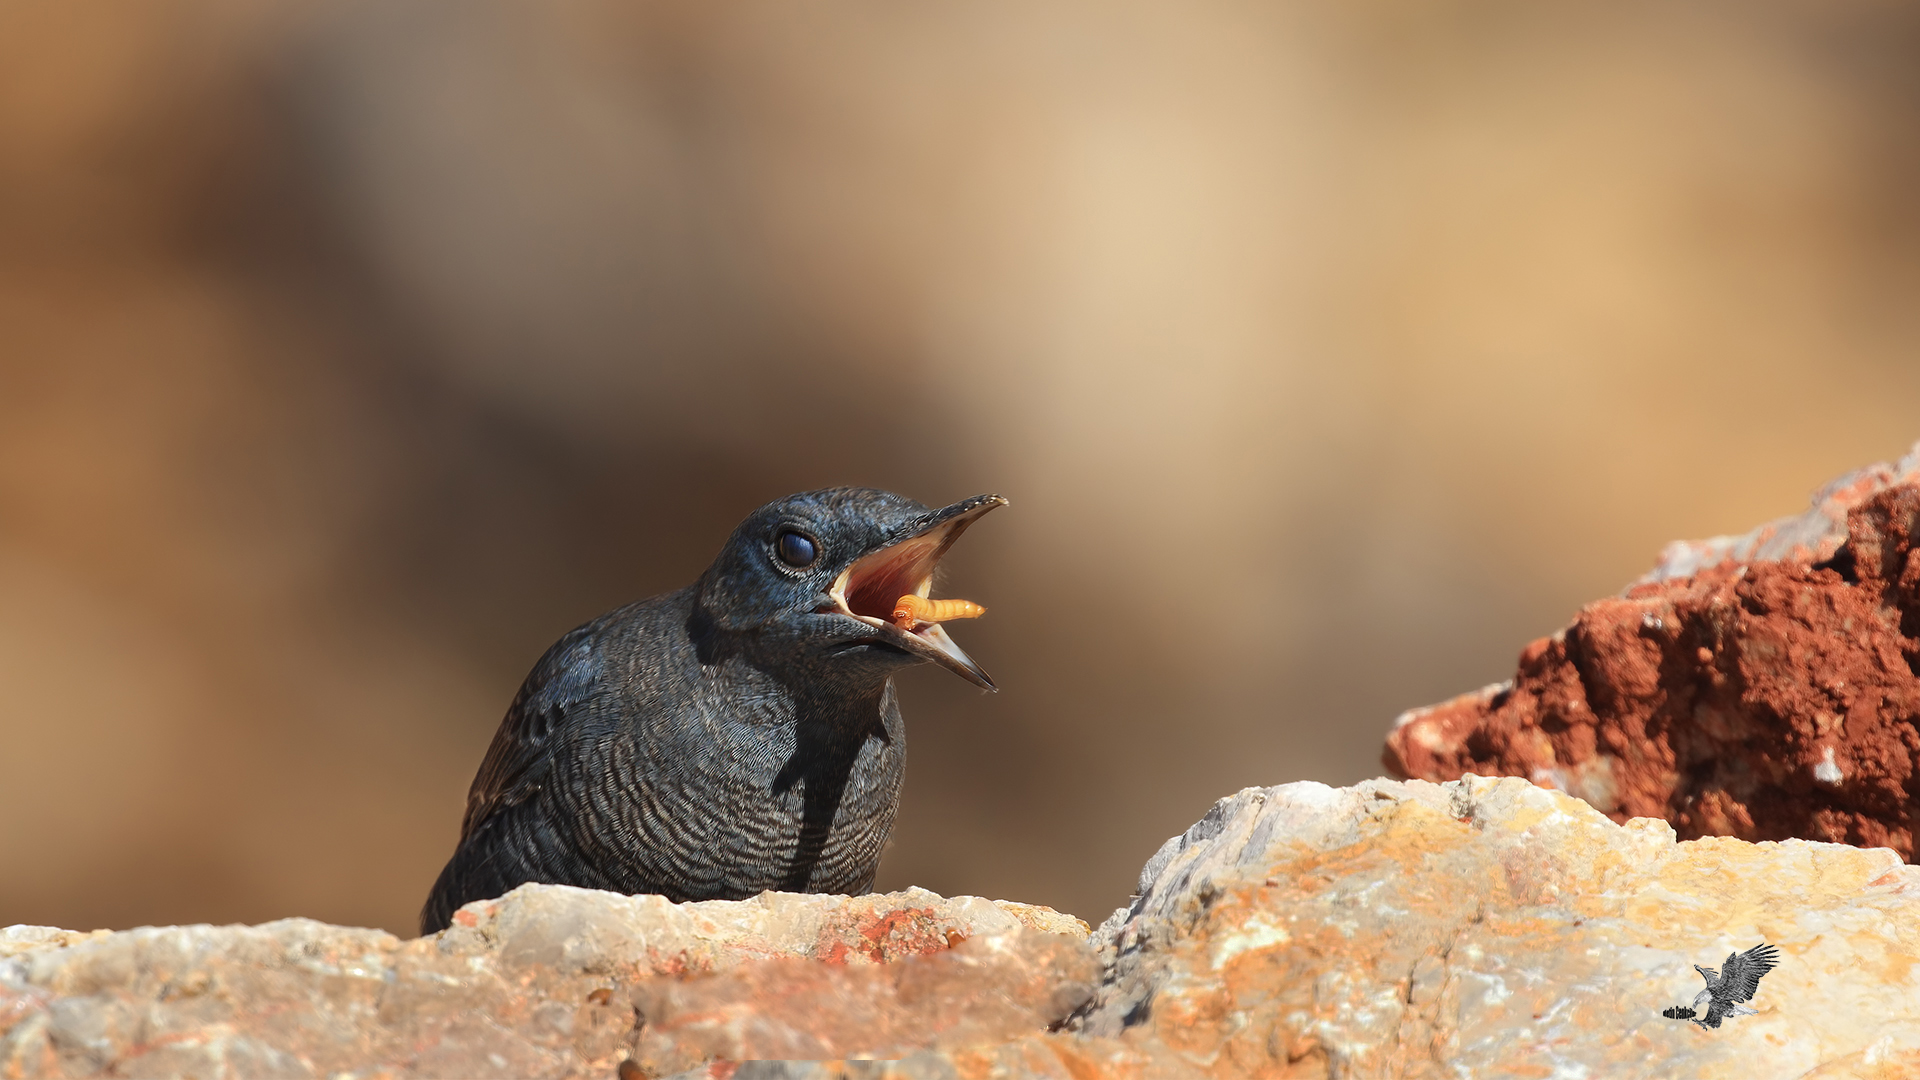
(561, 685)
(1741, 975)
(1718, 979)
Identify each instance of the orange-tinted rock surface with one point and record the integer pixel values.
(1476, 928)
(1761, 686)
(539, 983)
(1489, 928)
(982, 992)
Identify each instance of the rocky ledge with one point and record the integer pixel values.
(1475, 928)
(1751, 688)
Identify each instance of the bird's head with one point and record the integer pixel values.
(819, 573)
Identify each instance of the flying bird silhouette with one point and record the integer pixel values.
(1735, 982)
(738, 735)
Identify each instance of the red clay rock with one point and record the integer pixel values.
(1762, 687)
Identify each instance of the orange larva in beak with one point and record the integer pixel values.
(903, 567)
(913, 608)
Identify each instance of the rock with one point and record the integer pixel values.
(1761, 686)
(1749, 688)
(1011, 984)
(19, 939)
(1035, 1057)
(1811, 536)
(1476, 928)
(1493, 928)
(536, 983)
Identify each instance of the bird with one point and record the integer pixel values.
(735, 736)
(1736, 982)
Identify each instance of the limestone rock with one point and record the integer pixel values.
(1808, 537)
(1761, 686)
(1493, 928)
(1035, 1057)
(1476, 928)
(986, 990)
(536, 983)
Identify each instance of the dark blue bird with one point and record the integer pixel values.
(738, 735)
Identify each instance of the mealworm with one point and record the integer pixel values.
(911, 609)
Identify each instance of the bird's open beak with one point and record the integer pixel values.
(868, 589)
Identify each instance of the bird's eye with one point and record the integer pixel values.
(795, 550)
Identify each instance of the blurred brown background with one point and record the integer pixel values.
(349, 354)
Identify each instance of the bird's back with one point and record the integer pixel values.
(648, 752)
